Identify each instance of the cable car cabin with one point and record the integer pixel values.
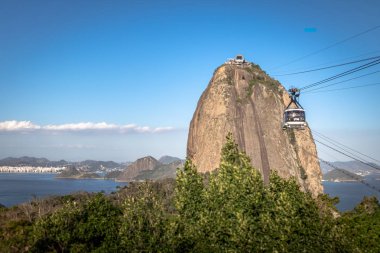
(239, 59)
(294, 118)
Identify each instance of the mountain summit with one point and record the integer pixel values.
(242, 99)
(142, 164)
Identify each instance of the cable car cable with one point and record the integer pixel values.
(344, 171)
(345, 150)
(362, 181)
(343, 153)
(337, 61)
(367, 65)
(329, 67)
(346, 146)
(342, 74)
(347, 80)
(327, 152)
(368, 164)
(328, 47)
(295, 93)
(347, 88)
(339, 145)
(373, 63)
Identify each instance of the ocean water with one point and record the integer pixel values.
(19, 188)
(350, 193)
(16, 188)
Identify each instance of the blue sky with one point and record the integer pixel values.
(117, 80)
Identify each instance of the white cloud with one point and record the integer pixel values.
(22, 126)
(14, 125)
(163, 129)
(81, 127)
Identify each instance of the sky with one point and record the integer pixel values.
(119, 80)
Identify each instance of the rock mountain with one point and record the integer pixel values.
(148, 168)
(133, 170)
(244, 100)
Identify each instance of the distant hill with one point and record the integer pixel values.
(341, 175)
(31, 161)
(87, 165)
(168, 159)
(91, 165)
(89, 176)
(352, 166)
(161, 172)
(134, 169)
(148, 168)
(69, 172)
(73, 173)
(144, 168)
(113, 174)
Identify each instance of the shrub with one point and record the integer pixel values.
(93, 225)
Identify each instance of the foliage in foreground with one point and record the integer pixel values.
(236, 212)
(361, 226)
(229, 210)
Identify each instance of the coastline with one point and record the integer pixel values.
(340, 181)
(18, 188)
(30, 169)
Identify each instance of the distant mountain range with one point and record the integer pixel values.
(31, 161)
(88, 165)
(151, 168)
(351, 169)
(142, 169)
(352, 166)
(341, 175)
(91, 164)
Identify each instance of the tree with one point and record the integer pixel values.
(189, 201)
(361, 227)
(92, 226)
(239, 213)
(292, 221)
(234, 200)
(144, 226)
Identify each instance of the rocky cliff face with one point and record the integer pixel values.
(244, 100)
(134, 169)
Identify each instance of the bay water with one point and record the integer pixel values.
(350, 193)
(17, 188)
